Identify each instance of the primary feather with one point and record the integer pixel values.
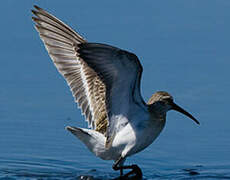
(104, 80)
(87, 88)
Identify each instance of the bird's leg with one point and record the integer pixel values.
(121, 172)
(135, 169)
(117, 167)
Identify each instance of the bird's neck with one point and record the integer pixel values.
(157, 111)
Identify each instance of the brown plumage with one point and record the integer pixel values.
(62, 44)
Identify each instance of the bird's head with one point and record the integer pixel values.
(161, 102)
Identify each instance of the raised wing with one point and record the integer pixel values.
(87, 88)
(121, 72)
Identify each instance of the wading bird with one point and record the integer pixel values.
(105, 82)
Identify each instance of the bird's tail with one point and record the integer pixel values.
(94, 140)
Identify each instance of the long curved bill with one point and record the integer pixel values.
(179, 109)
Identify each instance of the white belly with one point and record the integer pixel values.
(135, 137)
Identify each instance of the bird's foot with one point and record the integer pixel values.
(135, 172)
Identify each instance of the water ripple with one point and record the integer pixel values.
(51, 169)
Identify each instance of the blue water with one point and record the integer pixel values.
(184, 49)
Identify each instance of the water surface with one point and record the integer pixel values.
(184, 49)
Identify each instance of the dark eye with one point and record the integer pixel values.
(168, 100)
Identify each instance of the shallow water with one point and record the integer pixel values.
(36, 168)
(184, 49)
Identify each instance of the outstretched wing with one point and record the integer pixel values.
(121, 72)
(87, 88)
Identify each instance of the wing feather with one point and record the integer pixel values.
(61, 43)
(121, 72)
(104, 80)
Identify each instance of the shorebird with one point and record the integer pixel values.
(105, 82)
